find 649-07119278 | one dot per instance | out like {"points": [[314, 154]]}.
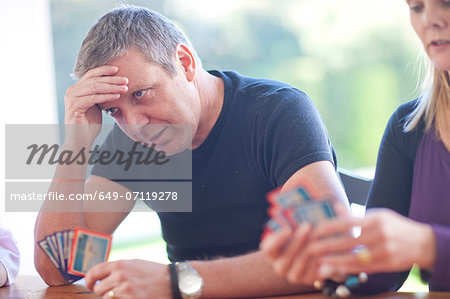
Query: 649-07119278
{"points": [[57, 196], [162, 195]]}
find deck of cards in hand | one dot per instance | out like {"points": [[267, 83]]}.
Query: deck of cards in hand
{"points": [[74, 252], [295, 207]]}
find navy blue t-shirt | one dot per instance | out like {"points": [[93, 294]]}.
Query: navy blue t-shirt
{"points": [[267, 130]]}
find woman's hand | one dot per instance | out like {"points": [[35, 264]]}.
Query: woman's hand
{"points": [[388, 242]]}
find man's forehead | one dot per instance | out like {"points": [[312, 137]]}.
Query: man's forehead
{"points": [[139, 73], [132, 59]]}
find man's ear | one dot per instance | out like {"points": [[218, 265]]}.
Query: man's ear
{"points": [[187, 61]]}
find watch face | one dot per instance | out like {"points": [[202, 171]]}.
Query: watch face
{"points": [[190, 284]]}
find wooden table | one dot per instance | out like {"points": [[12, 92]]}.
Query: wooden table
{"points": [[389, 295], [33, 287]]}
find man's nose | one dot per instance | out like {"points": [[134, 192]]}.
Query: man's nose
{"points": [[134, 121]]}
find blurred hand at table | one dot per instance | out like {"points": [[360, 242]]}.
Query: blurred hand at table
{"points": [[130, 279], [388, 242], [290, 250], [9, 258], [290, 256]]}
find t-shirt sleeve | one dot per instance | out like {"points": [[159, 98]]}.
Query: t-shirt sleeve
{"points": [[290, 135], [391, 187]]}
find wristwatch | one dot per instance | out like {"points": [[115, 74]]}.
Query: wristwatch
{"points": [[190, 283]]}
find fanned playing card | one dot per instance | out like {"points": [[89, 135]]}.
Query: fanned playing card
{"points": [[88, 249], [74, 252]]}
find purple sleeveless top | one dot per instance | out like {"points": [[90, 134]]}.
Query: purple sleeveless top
{"points": [[430, 201]]}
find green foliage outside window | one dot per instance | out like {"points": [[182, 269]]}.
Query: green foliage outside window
{"points": [[356, 69]]}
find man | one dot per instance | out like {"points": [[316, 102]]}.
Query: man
{"points": [[248, 136]]}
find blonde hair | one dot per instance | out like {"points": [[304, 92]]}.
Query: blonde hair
{"points": [[432, 103]]}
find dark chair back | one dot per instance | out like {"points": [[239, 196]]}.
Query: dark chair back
{"points": [[356, 187]]}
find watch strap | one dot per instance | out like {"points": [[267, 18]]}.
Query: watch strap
{"points": [[174, 282]]}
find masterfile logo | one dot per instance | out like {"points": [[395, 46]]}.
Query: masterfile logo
{"points": [[49, 154], [150, 176]]}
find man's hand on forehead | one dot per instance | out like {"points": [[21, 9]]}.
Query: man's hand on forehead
{"points": [[102, 85], [94, 90], [108, 71]]}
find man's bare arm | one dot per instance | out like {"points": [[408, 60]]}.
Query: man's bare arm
{"points": [[83, 119], [245, 276]]}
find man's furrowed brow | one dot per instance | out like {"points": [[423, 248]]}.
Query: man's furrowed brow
{"points": [[104, 106], [140, 86]]}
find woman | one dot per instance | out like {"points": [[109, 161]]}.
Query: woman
{"points": [[411, 185]]}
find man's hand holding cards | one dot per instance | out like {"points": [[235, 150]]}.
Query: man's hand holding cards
{"points": [[74, 252], [292, 208]]}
